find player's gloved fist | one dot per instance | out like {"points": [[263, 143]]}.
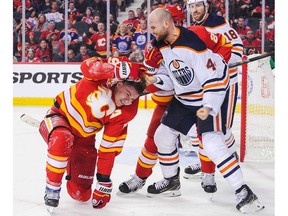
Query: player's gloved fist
{"points": [[101, 195], [129, 70], [152, 61]]}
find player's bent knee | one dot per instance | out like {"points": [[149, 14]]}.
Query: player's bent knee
{"points": [[79, 192]]}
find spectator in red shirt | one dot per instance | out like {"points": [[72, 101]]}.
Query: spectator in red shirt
{"points": [[33, 44], [99, 39], [57, 48], [241, 28], [31, 57], [46, 34], [140, 13], [252, 45], [132, 21], [43, 52], [17, 5], [258, 33]]}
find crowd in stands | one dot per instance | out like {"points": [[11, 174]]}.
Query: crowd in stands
{"points": [[87, 36]]}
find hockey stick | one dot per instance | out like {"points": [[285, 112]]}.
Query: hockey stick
{"points": [[30, 120], [250, 60]]}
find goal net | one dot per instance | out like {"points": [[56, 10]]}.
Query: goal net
{"points": [[255, 111]]}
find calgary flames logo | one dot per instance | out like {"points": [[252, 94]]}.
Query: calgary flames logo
{"points": [[182, 72], [100, 102]]}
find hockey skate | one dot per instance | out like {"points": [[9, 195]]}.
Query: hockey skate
{"points": [[131, 185], [192, 171], [167, 187], [208, 183], [247, 201], [51, 199]]}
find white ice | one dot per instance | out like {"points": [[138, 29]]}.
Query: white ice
{"points": [[29, 156]]}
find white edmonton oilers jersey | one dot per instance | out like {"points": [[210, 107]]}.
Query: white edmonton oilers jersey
{"points": [[218, 24], [199, 76]]}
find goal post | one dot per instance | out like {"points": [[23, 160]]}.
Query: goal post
{"points": [[257, 108]]}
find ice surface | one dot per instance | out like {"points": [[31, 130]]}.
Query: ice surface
{"points": [[29, 156]]}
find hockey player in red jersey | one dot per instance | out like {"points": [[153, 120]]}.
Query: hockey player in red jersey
{"points": [[149, 156], [199, 10], [200, 81], [105, 98]]}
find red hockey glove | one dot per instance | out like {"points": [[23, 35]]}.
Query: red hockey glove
{"points": [[101, 195], [129, 70], [152, 61]]}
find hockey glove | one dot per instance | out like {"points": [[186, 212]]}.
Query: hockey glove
{"points": [[101, 195], [152, 61], [129, 70]]}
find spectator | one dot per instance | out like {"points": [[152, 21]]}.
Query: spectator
{"points": [[73, 13], [114, 8], [241, 28], [132, 21], [42, 24], [45, 6], [252, 45], [28, 27], [268, 33], [122, 40], [82, 5], [73, 36], [32, 18], [113, 24], [71, 55], [99, 39], [88, 18], [140, 37], [57, 48], [84, 54], [162, 3], [19, 49], [93, 27], [33, 44], [239, 8], [17, 5], [53, 14], [31, 57], [99, 7], [140, 13], [43, 51], [46, 34]]}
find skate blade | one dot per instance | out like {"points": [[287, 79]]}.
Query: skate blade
{"points": [[253, 207], [132, 193], [196, 176], [174, 193], [51, 210]]}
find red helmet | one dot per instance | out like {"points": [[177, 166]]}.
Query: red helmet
{"points": [[176, 11]]}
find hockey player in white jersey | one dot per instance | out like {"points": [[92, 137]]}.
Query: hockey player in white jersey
{"points": [[201, 80], [199, 10]]}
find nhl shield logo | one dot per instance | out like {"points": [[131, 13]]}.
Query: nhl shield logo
{"points": [[182, 72]]}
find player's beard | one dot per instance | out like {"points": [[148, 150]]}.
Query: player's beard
{"points": [[162, 36], [197, 17]]}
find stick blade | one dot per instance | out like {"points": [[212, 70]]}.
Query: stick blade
{"points": [[30, 120]]}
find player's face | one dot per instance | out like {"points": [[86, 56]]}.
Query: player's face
{"points": [[197, 10], [158, 30], [125, 95]]}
